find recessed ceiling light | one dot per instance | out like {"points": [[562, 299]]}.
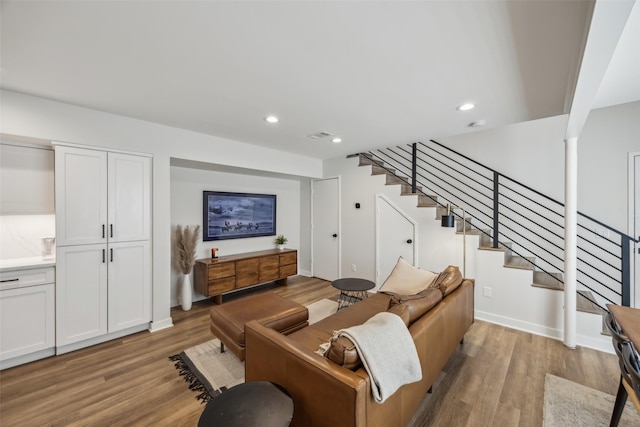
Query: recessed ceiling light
{"points": [[271, 119], [336, 140], [478, 123], [466, 107]]}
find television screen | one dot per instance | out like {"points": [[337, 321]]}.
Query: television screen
{"points": [[237, 215]]}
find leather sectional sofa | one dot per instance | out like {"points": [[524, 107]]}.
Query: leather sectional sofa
{"points": [[326, 393]]}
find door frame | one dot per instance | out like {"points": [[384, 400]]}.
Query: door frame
{"points": [[416, 260], [635, 266], [313, 244]]}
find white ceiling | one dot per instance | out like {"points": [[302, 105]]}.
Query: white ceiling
{"points": [[376, 73]]}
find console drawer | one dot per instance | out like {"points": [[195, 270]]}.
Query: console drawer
{"points": [[225, 269], [219, 286], [288, 258]]}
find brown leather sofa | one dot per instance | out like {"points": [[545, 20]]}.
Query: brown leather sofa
{"points": [[327, 394]]}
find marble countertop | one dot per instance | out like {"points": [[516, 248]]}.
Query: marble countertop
{"points": [[26, 263]]}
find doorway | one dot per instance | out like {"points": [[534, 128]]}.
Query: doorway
{"points": [[325, 259], [396, 235]]}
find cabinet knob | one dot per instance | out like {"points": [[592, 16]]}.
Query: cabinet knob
{"points": [[409, 241], [334, 235]]}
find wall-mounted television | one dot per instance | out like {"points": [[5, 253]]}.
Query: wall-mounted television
{"points": [[237, 215]]}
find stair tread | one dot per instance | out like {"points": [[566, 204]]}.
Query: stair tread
{"points": [[553, 287], [523, 263], [491, 248], [584, 305]]}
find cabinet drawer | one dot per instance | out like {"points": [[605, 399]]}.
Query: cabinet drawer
{"points": [[247, 272], [288, 270], [269, 262], [219, 286], [269, 268], [26, 277], [288, 258], [226, 269], [267, 275]]}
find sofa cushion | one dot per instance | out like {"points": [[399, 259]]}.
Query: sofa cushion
{"points": [[343, 352], [417, 304], [402, 311], [406, 279], [448, 280]]}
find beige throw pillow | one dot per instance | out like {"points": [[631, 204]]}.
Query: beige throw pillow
{"points": [[406, 279]]}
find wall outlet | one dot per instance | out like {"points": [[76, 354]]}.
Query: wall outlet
{"points": [[353, 267], [486, 291]]}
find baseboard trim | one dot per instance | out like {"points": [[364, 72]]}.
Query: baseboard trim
{"points": [[100, 339], [159, 325], [603, 345], [31, 357]]}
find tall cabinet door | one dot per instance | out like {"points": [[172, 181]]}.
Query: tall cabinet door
{"points": [[129, 285], [81, 196], [129, 203], [81, 293]]}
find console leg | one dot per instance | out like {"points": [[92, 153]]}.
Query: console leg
{"points": [[462, 341], [221, 347], [430, 390]]}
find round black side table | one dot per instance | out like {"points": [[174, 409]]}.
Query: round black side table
{"points": [[254, 403], [352, 290]]}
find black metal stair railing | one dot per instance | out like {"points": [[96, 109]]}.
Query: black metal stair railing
{"points": [[516, 217]]}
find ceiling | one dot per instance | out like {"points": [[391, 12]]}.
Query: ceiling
{"points": [[375, 73]]}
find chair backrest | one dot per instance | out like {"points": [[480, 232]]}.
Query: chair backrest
{"points": [[632, 364], [619, 339]]}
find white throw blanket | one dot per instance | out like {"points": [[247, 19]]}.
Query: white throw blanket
{"points": [[388, 353]]}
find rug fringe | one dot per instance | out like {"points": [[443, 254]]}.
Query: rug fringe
{"points": [[189, 377]]}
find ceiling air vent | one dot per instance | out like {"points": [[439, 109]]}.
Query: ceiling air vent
{"points": [[318, 135]]}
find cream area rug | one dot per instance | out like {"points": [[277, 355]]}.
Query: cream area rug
{"points": [[210, 372], [571, 404]]}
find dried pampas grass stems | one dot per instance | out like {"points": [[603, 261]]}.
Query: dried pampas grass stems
{"points": [[186, 243]]}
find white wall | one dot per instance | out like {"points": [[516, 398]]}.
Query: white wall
{"points": [[26, 199], [40, 118], [358, 225], [533, 153], [187, 186], [609, 135]]}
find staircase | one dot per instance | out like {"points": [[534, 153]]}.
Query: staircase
{"points": [[542, 275]]}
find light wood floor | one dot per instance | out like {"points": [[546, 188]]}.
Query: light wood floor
{"points": [[495, 379]]}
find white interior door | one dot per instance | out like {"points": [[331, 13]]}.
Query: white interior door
{"points": [[326, 229], [396, 235], [635, 202]]}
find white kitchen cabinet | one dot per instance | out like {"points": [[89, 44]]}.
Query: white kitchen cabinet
{"points": [[101, 196], [81, 196], [103, 226], [27, 315], [81, 294], [129, 197], [129, 272]]}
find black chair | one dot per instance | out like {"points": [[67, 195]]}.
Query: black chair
{"points": [[632, 364], [619, 340]]}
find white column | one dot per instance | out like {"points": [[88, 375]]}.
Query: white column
{"points": [[570, 239]]}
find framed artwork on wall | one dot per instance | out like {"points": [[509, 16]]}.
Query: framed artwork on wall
{"points": [[237, 215]]}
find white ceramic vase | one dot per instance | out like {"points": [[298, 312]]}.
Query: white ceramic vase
{"points": [[186, 293], [281, 247]]}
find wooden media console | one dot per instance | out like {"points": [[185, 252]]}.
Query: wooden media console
{"points": [[216, 276]]}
